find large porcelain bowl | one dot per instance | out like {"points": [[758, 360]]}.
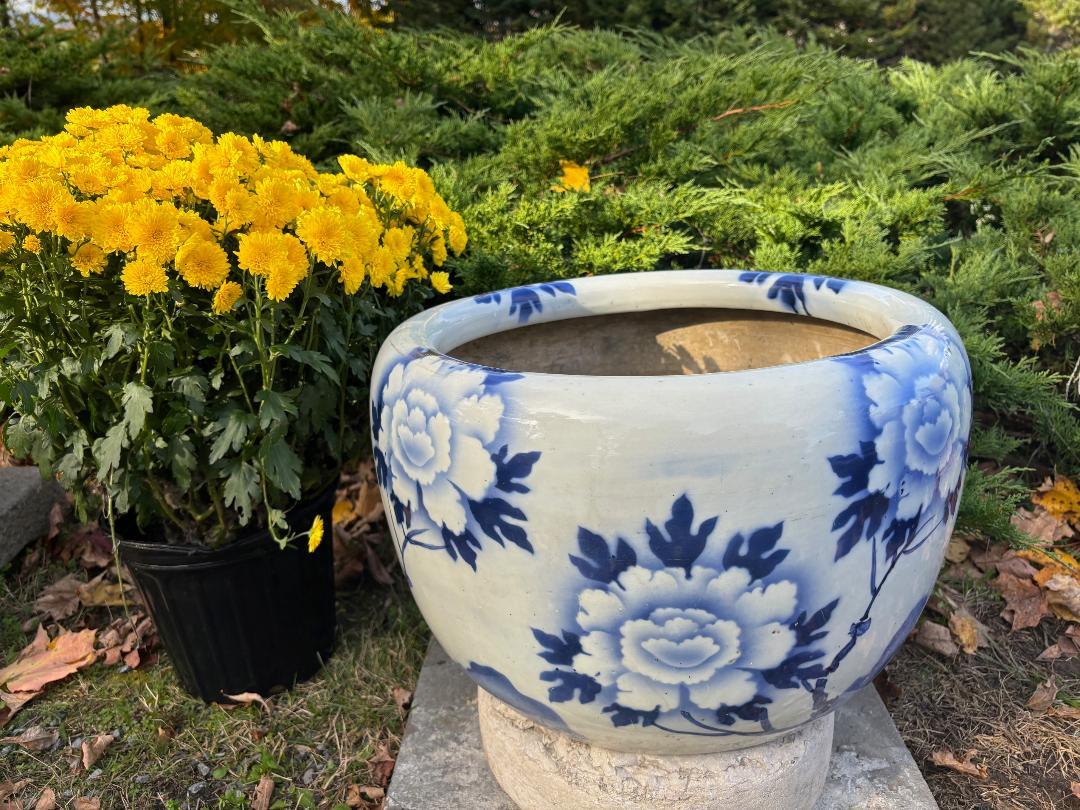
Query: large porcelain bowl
{"points": [[673, 512]]}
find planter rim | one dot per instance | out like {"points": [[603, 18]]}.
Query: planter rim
{"points": [[157, 555], [879, 311]]}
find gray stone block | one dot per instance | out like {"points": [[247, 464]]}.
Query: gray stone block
{"points": [[441, 765], [25, 502]]}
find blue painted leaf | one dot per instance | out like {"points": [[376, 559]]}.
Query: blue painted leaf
{"points": [[759, 559], [799, 668], [854, 470], [899, 533], [559, 650], [754, 711], [493, 515], [501, 687], [508, 471], [464, 545], [682, 546], [598, 561], [862, 518], [809, 630], [567, 684], [622, 716]]}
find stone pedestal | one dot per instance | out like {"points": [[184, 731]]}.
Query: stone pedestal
{"points": [[25, 502], [441, 765], [540, 768]]}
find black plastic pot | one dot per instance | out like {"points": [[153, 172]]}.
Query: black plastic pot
{"points": [[248, 617]]}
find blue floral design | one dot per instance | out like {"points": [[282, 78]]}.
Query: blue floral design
{"points": [[681, 637], [789, 288], [442, 457], [524, 301], [901, 484]]}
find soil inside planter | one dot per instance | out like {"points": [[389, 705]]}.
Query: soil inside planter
{"points": [[666, 341]]}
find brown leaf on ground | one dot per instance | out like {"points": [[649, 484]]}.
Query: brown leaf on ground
{"points": [[12, 804], [94, 747], [264, 791], [34, 738], [84, 803], [372, 562], [59, 600], [1062, 590], [1025, 603], [987, 557], [9, 789], [958, 549], [1060, 498], [352, 797], [1041, 526], [945, 758], [1075, 788], [47, 800], [1067, 646], [246, 699], [370, 793], [1013, 563], [102, 592], [42, 662], [402, 698], [936, 637], [966, 629], [56, 520], [1066, 712], [1043, 696], [382, 764]]}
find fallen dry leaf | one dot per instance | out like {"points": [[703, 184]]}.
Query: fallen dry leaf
{"points": [[34, 738], [371, 793], [1041, 526], [94, 747], [84, 803], [958, 549], [1067, 646], [47, 800], [1062, 590], [247, 699], [343, 511], [1075, 788], [353, 798], [1043, 696], [264, 791], [1061, 498], [101, 592], [9, 789], [1025, 603], [402, 698], [966, 630], [59, 600], [947, 759], [1067, 712], [936, 637], [382, 764], [43, 662]]}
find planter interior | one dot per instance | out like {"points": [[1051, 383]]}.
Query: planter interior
{"points": [[666, 341]]}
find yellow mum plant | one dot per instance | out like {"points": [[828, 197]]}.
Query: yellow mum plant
{"points": [[187, 322]]}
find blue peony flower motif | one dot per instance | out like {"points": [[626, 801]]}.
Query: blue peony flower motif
{"points": [[442, 457], [682, 638]]}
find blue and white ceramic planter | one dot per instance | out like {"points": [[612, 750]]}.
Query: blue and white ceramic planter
{"points": [[669, 562]]}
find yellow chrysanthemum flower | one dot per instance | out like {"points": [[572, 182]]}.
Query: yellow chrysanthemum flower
{"points": [[87, 258], [202, 263], [109, 226], [574, 177], [31, 244], [324, 232], [283, 279], [381, 268], [456, 235], [155, 230], [438, 250], [399, 241], [259, 251], [144, 276], [440, 281], [277, 203], [315, 536], [35, 204], [353, 273], [355, 168], [72, 219], [226, 297], [7, 240]]}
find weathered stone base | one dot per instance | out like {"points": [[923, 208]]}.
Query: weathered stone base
{"points": [[25, 502], [540, 768]]}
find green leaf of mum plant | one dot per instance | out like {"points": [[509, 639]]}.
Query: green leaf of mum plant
{"points": [[138, 402]]}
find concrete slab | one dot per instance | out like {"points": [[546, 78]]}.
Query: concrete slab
{"points": [[25, 503], [441, 765]]}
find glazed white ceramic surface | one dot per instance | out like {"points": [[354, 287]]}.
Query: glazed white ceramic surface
{"points": [[674, 564]]}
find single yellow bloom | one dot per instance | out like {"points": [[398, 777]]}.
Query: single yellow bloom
{"points": [[353, 273], [143, 276], [574, 177], [87, 258], [355, 168], [226, 297], [324, 232], [438, 250], [7, 240], [155, 230], [31, 244], [72, 219], [399, 241], [456, 234], [109, 226], [315, 536], [260, 252], [440, 281], [283, 279], [202, 263], [35, 205]]}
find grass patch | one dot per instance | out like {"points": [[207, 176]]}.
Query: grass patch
{"points": [[175, 751]]}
